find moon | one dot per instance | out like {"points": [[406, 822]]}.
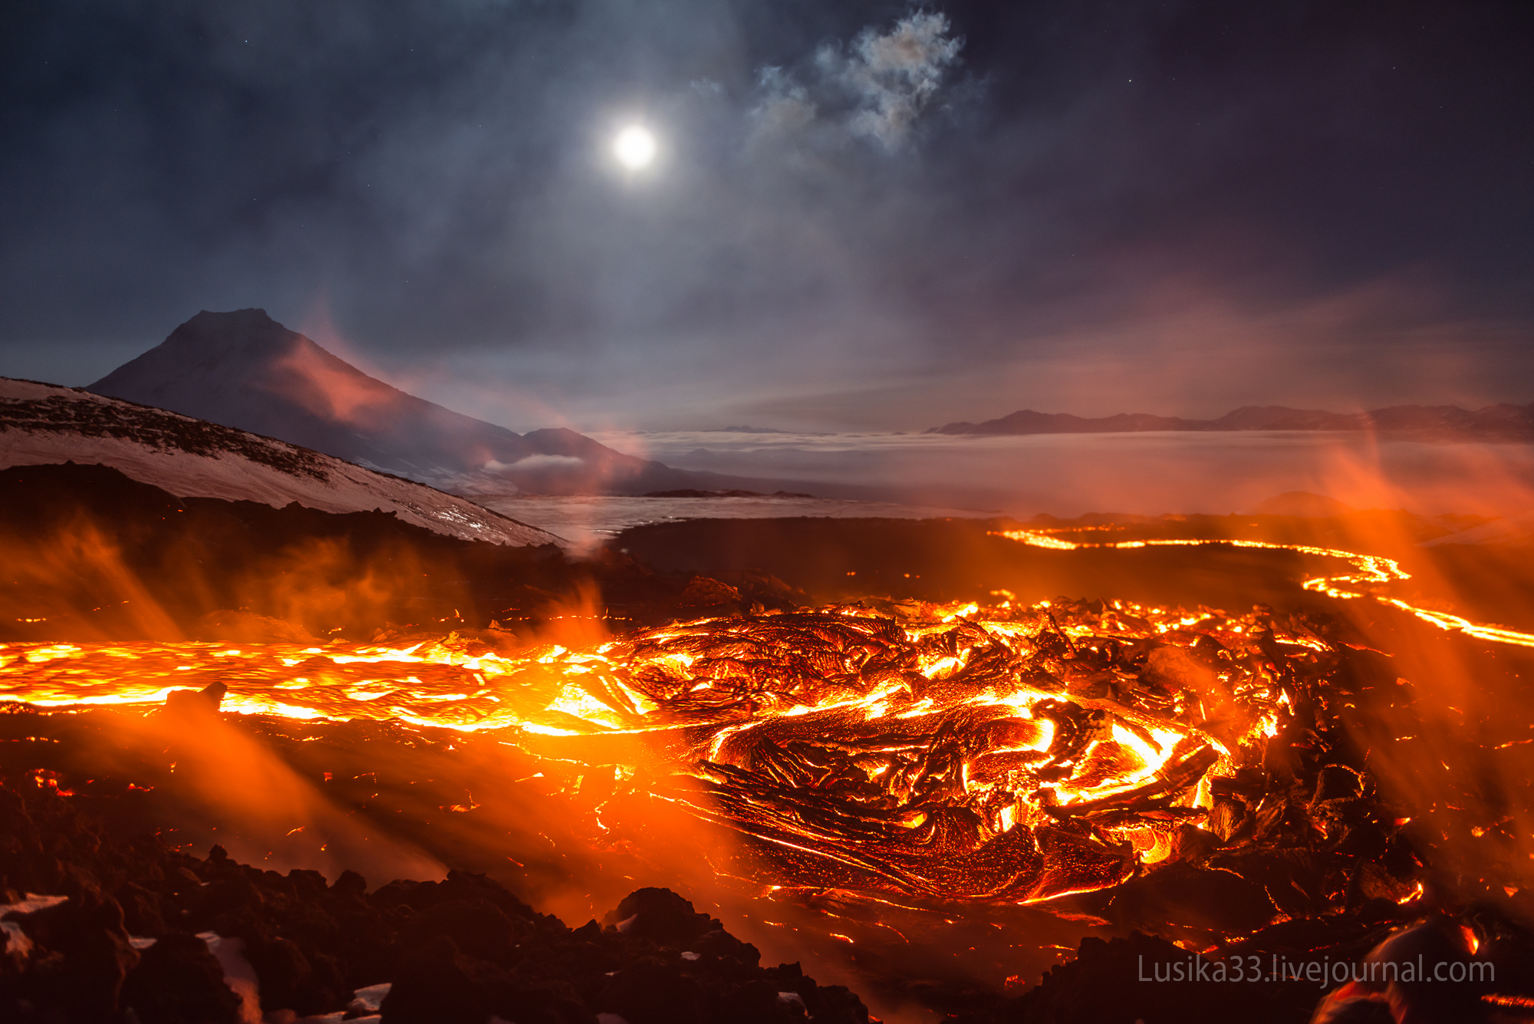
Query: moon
{"points": [[634, 147]]}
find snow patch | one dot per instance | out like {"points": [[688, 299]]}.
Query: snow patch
{"points": [[18, 943], [239, 975], [149, 445], [363, 1009], [537, 462], [31, 903], [369, 998], [793, 1000]]}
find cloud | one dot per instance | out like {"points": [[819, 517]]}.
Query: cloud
{"points": [[784, 109], [537, 462], [894, 75], [877, 88]]}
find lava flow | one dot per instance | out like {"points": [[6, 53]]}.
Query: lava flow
{"points": [[1365, 571], [953, 753]]}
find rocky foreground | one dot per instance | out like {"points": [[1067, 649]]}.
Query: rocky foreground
{"points": [[150, 935]]}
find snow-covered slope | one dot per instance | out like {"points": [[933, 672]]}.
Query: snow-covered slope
{"points": [[42, 424]]}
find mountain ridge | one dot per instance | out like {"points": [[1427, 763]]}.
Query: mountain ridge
{"points": [[1503, 421], [243, 369]]}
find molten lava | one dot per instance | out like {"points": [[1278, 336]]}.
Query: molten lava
{"points": [[1001, 754], [1366, 572]]}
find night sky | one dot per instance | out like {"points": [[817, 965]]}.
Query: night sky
{"points": [[860, 214]]}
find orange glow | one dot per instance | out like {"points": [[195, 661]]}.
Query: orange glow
{"points": [[1366, 571], [898, 752]]}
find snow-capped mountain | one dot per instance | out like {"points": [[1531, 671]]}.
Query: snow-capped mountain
{"points": [[243, 369], [42, 424]]}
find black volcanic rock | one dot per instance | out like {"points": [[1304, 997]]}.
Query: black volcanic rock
{"points": [[243, 369], [95, 954], [463, 949], [192, 704], [179, 981], [431, 987], [661, 916]]}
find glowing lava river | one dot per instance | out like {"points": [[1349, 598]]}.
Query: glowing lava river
{"points": [[1364, 572], [1000, 754], [1007, 755]]}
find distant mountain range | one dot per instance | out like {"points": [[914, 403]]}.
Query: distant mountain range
{"points": [[1494, 422], [243, 369]]}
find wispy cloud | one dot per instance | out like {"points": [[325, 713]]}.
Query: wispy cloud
{"points": [[784, 108], [877, 87]]}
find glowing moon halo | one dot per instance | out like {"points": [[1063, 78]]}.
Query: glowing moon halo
{"points": [[634, 147]]}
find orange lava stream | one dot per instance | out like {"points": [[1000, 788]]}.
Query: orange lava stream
{"points": [[1367, 570], [1002, 754]]}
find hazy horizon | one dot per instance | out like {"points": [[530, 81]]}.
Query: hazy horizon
{"points": [[767, 417], [1151, 472]]}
